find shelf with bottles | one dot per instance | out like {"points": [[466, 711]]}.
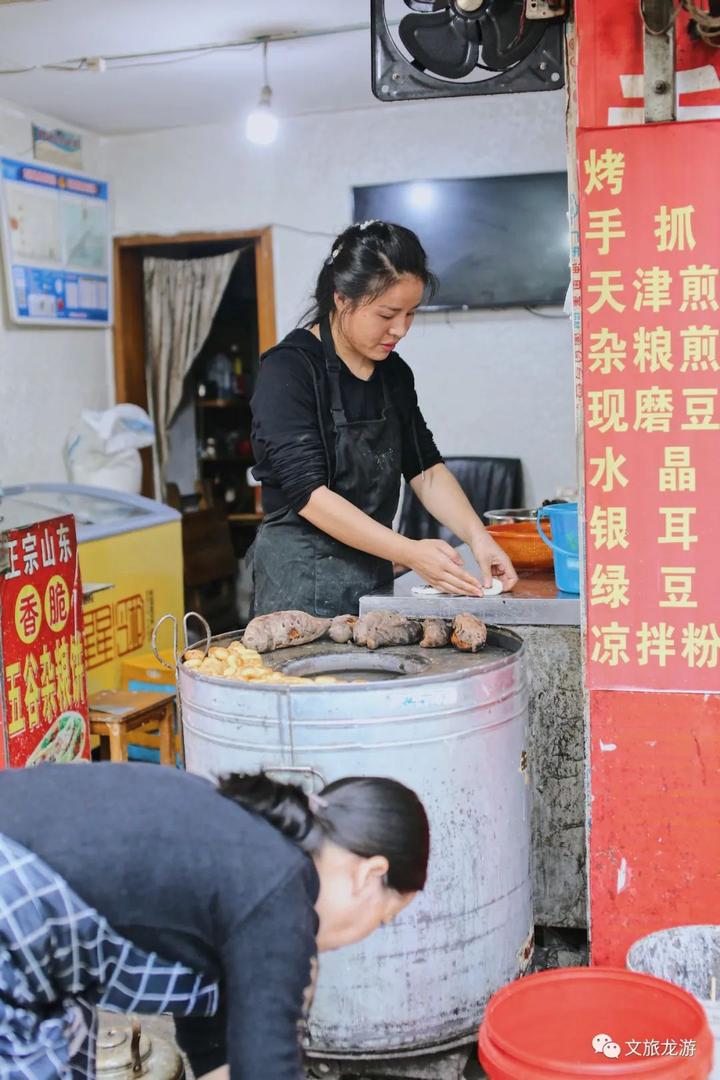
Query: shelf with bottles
{"points": [[222, 389], [224, 442], [223, 378], [230, 493]]}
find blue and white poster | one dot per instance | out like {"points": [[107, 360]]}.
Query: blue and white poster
{"points": [[56, 236]]}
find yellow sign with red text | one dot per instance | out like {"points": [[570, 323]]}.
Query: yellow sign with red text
{"points": [[145, 571]]}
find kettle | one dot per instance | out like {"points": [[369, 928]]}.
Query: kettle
{"points": [[125, 1052]]}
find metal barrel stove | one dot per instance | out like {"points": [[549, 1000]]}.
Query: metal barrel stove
{"points": [[450, 725]]}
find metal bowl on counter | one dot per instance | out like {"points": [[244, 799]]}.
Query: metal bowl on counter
{"points": [[452, 726], [506, 517], [516, 533]]}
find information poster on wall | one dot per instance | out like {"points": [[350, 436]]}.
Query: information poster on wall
{"points": [[56, 236], [43, 697], [651, 387]]}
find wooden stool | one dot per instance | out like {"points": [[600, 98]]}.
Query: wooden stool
{"points": [[114, 714]]}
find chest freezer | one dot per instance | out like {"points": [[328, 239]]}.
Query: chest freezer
{"points": [[131, 545]]}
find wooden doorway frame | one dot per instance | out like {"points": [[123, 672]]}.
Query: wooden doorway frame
{"points": [[129, 300]]}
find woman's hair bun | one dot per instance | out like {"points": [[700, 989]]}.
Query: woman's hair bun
{"points": [[284, 806], [367, 815]]}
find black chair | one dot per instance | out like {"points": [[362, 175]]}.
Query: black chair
{"points": [[489, 483]]}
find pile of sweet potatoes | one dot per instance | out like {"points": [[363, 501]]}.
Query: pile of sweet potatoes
{"points": [[283, 629]]}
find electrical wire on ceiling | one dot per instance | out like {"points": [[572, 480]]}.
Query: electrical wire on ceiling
{"points": [[183, 55], [305, 232]]}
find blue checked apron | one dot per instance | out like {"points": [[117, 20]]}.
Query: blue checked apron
{"points": [[59, 961]]}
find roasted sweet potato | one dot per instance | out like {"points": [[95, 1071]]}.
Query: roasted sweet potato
{"points": [[380, 628], [436, 634], [282, 629], [341, 628], [469, 634]]}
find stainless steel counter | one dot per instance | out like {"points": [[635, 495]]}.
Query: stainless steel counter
{"points": [[535, 601]]}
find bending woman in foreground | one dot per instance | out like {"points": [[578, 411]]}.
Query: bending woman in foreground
{"points": [[150, 890]]}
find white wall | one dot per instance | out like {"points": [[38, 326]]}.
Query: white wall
{"points": [[46, 375], [489, 383]]}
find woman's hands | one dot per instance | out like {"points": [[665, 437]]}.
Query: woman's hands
{"points": [[439, 565], [493, 561], [434, 561], [441, 495]]}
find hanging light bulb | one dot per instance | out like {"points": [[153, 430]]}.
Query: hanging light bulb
{"points": [[261, 126]]}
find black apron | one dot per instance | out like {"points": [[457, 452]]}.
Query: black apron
{"points": [[297, 566]]}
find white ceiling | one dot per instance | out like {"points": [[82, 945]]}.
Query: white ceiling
{"points": [[309, 75]]}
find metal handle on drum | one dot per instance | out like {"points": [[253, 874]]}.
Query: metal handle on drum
{"points": [[137, 1065], [154, 641], [173, 620], [205, 625], [307, 770]]}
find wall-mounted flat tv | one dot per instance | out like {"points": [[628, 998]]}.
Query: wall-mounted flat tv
{"points": [[494, 241]]}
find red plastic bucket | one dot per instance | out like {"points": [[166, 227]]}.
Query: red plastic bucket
{"points": [[558, 1023]]}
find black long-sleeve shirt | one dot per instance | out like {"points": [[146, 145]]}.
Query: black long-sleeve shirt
{"points": [[293, 449], [180, 870]]}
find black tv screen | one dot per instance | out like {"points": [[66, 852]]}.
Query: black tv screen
{"points": [[495, 241]]}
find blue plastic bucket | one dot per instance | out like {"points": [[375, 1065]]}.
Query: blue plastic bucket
{"points": [[563, 519]]}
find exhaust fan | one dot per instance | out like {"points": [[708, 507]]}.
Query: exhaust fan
{"points": [[511, 46]]}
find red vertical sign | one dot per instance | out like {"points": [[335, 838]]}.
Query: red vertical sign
{"points": [[654, 761], [610, 66], [650, 237], [43, 705]]}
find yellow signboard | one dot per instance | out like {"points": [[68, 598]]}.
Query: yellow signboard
{"points": [[145, 569]]}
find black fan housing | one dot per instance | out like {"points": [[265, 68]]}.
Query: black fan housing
{"points": [[449, 39]]}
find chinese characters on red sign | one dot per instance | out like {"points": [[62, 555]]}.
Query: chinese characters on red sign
{"points": [[43, 704], [651, 378]]}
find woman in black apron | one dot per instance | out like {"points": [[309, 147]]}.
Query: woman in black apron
{"points": [[336, 424]]}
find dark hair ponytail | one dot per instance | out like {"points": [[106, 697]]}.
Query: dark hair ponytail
{"points": [[364, 261], [285, 806], [366, 815]]}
